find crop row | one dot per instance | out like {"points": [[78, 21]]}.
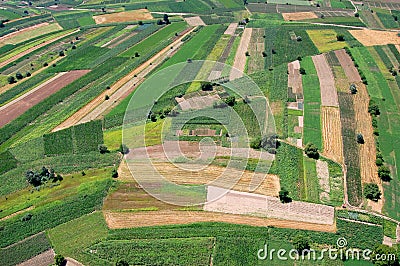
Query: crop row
{"points": [[24, 23], [16, 125], [8, 162], [24, 250], [88, 199]]}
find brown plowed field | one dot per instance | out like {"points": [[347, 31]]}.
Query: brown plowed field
{"points": [[348, 66], [16, 109], [294, 77], [332, 133], [43, 259], [116, 220], [326, 80]]}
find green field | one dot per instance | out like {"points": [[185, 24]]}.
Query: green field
{"points": [[162, 36], [312, 102]]}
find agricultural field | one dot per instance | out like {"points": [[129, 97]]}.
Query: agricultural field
{"points": [[296, 148]]}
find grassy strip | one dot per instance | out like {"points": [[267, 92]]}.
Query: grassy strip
{"points": [[312, 103]]}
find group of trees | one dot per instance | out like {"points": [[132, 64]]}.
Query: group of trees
{"points": [[37, 178], [268, 143], [312, 151], [165, 20]]}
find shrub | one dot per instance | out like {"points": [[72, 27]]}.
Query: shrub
{"points": [[311, 151], [302, 71], [11, 80], [340, 38], [26, 217], [360, 138], [61, 53], [284, 196], [19, 75], [353, 89], [59, 260], [114, 173], [103, 149], [301, 243], [371, 191], [230, 100], [384, 173]]}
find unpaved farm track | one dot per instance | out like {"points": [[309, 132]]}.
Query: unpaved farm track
{"points": [[332, 133], [44, 259], [329, 95], [240, 57], [121, 88], [16, 108], [117, 220]]}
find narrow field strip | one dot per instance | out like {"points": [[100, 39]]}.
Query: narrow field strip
{"points": [[326, 81], [240, 57], [18, 107]]}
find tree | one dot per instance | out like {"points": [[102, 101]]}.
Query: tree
{"points": [[255, 143], [106, 97], [301, 243], [360, 138], [353, 89], [153, 118], [11, 80], [123, 149], [284, 196], [371, 192], [166, 19], [19, 75], [270, 143], [230, 100], [312, 151], [114, 173], [340, 38], [1, 24], [206, 86], [103, 149], [137, 54], [356, 15], [73, 47], [373, 108], [264, 54], [384, 173], [247, 53], [59, 260], [61, 53], [140, 23], [122, 263], [28, 74], [45, 64], [159, 22], [387, 256], [302, 71]]}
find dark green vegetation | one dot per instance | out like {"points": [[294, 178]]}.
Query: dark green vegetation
{"points": [[24, 250], [312, 104]]}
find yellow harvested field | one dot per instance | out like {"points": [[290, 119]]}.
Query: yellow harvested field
{"points": [[298, 16], [375, 37], [116, 220], [332, 133], [325, 40], [126, 16]]}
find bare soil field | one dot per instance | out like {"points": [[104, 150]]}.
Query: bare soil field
{"points": [[294, 77], [326, 80], [44, 259], [240, 57], [348, 66], [6, 62], [298, 16], [375, 37], [367, 151], [133, 15], [11, 111], [183, 173], [231, 29], [195, 21], [116, 220], [236, 202], [332, 133], [121, 88]]}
